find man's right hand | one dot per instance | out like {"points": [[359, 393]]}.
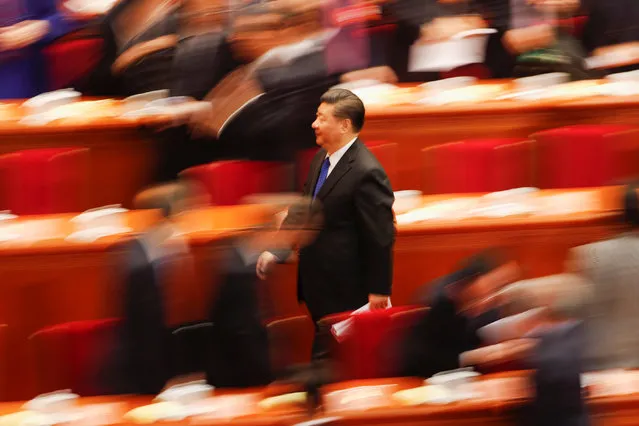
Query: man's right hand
{"points": [[264, 264], [522, 40]]}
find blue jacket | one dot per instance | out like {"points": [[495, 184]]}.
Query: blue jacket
{"points": [[23, 73]]}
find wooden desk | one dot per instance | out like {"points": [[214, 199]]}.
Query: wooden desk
{"points": [[111, 409], [414, 127], [504, 393], [123, 154], [501, 395]]}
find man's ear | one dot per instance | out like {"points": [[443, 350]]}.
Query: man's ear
{"points": [[346, 125]]}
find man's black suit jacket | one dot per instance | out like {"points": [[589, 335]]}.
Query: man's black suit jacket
{"points": [[352, 256]]}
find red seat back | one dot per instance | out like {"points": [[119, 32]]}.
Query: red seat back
{"points": [[73, 355], [585, 155], [227, 182], [44, 181], [386, 154], [291, 342], [370, 348], [71, 61], [482, 165]]}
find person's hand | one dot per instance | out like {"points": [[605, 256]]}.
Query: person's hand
{"points": [[23, 34], [446, 27], [382, 74], [264, 264], [377, 301], [499, 354], [185, 113], [524, 40]]}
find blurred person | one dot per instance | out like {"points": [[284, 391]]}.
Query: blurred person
{"points": [[460, 304], [351, 261], [143, 359], [264, 109], [523, 29], [550, 343], [239, 346], [26, 26], [175, 45], [608, 269], [540, 44], [428, 21]]}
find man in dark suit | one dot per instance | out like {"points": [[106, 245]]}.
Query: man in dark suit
{"points": [[350, 262], [460, 304]]}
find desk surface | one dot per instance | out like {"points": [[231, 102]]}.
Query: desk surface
{"points": [[370, 402]]}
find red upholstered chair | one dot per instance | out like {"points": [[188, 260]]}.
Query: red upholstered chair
{"points": [[482, 165], [291, 341], [227, 182], [386, 153], [586, 155], [72, 355], [43, 181], [69, 61], [371, 347]]}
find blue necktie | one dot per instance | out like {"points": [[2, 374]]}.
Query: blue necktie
{"points": [[322, 176]]}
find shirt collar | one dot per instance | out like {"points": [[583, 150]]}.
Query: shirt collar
{"points": [[337, 155]]}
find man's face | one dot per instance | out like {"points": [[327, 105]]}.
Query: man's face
{"points": [[480, 294], [328, 128]]}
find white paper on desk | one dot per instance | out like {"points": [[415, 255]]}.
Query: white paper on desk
{"points": [[91, 235], [47, 101], [341, 328], [187, 392], [90, 6], [443, 210], [467, 47]]}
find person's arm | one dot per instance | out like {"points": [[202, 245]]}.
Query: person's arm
{"points": [[376, 227]]}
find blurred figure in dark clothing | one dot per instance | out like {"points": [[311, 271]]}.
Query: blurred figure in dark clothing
{"points": [[143, 362], [239, 343], [460, 304], [550, 343]]}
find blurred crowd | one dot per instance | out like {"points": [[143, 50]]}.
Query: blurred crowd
{"points": [[261, 66]]}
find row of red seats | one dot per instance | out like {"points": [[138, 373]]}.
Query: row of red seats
{"points": [[71, 355], [568, 157], [57, 180]]}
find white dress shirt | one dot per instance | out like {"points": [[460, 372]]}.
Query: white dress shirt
{"points": [[337, 155]]}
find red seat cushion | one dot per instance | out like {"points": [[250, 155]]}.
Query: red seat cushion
{"points": [[585, 155], [45, 181], [73, 355], [227, 182], [482, 165]]}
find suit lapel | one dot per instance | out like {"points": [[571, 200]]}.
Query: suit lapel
{"points": [[343, 167]]}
